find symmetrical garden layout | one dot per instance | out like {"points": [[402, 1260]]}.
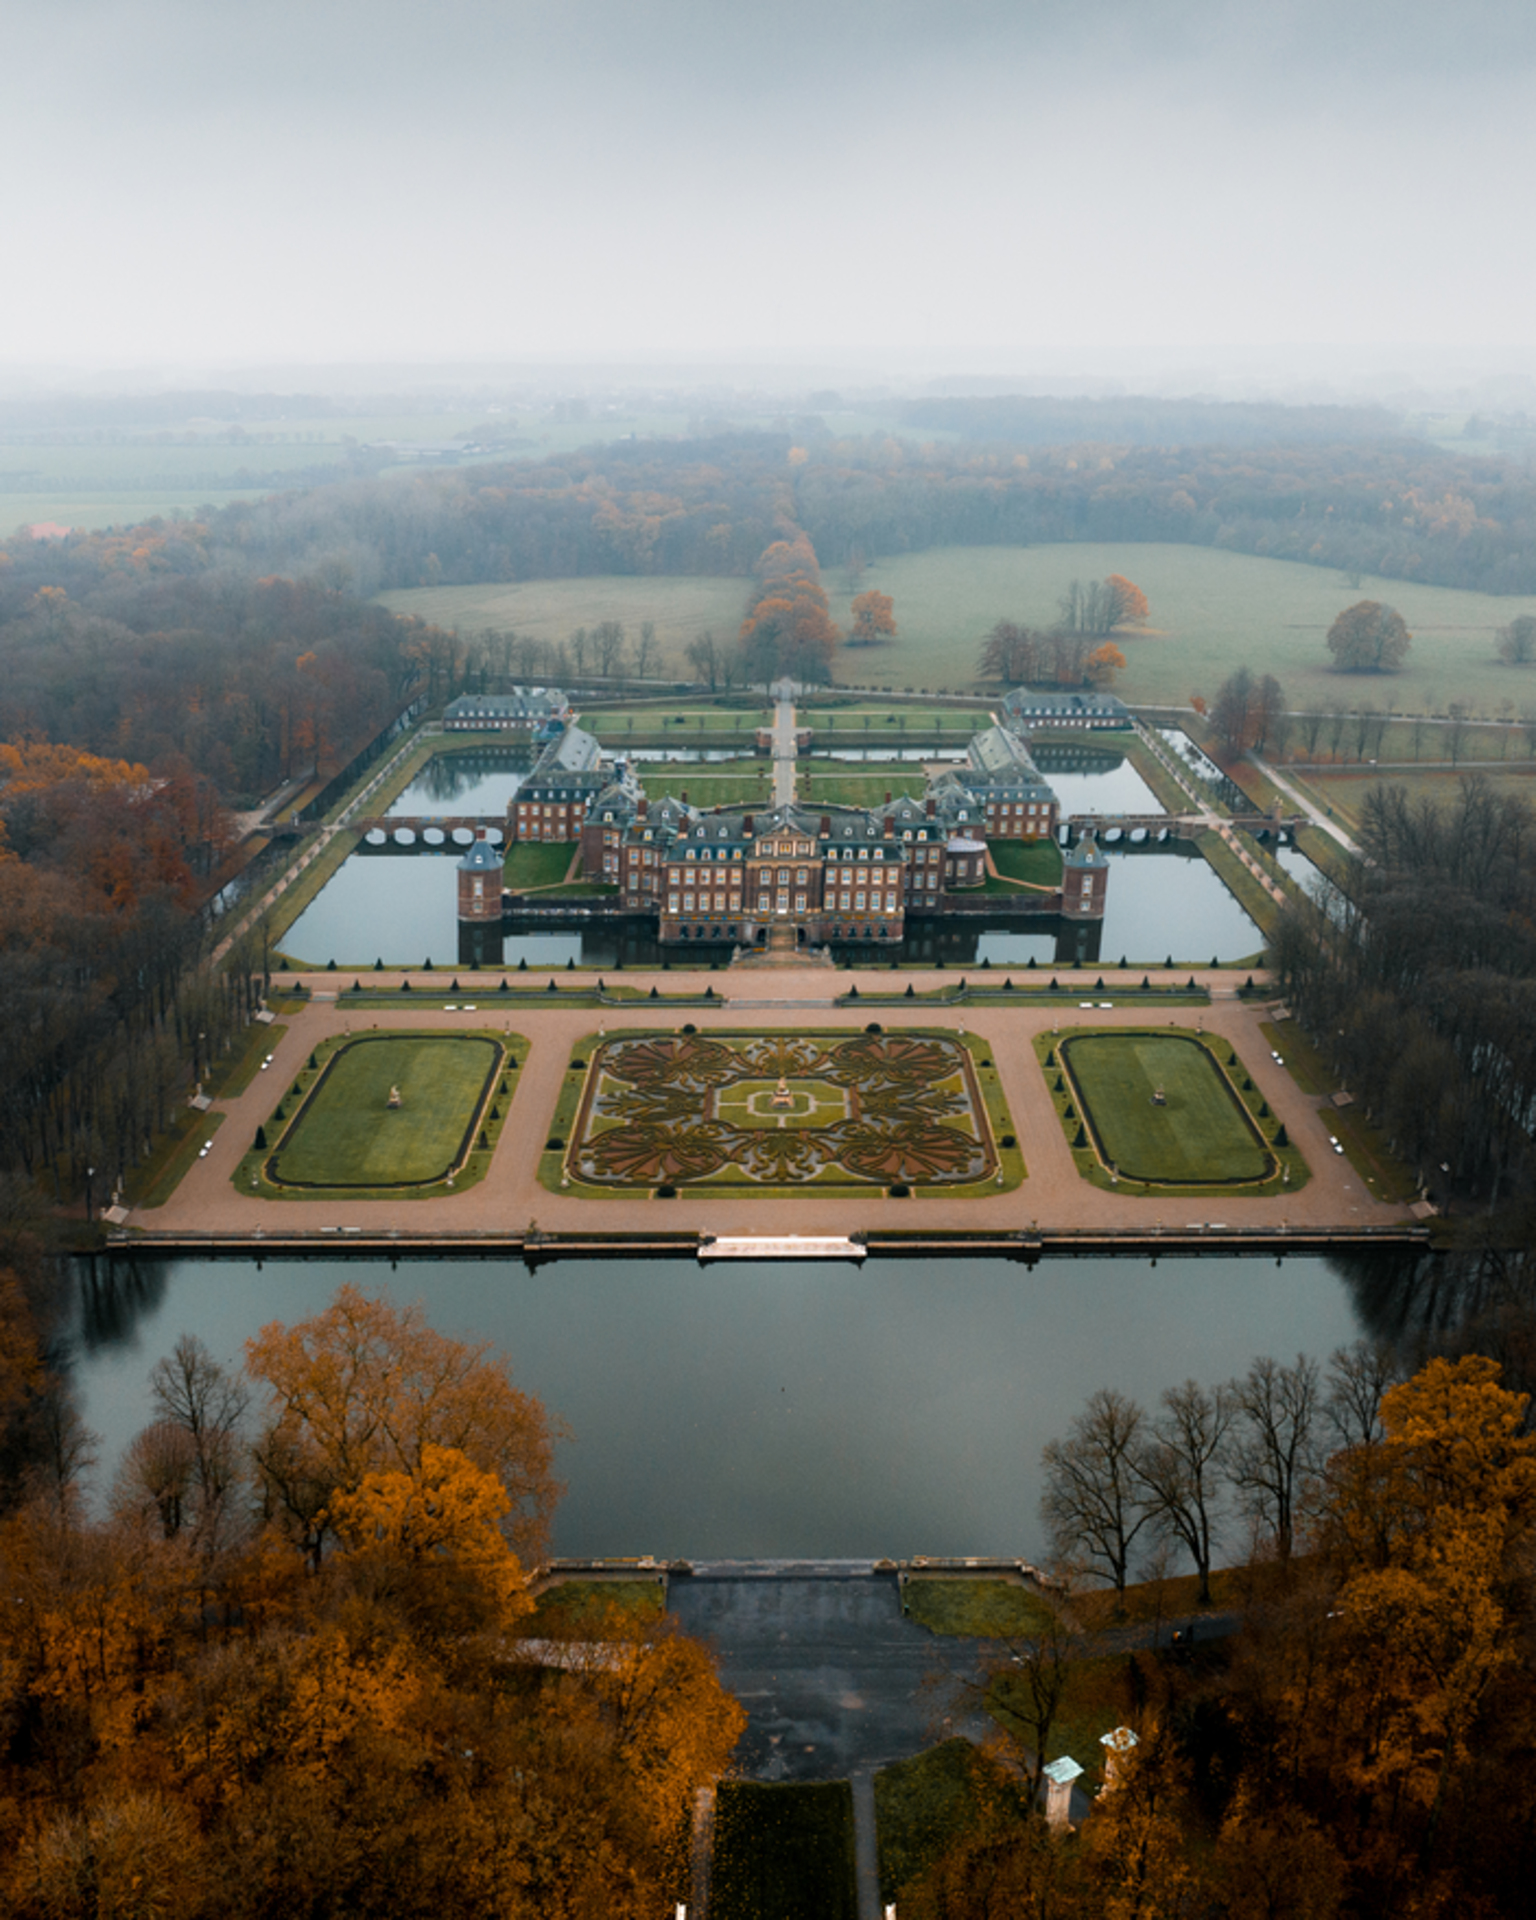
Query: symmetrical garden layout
{"points": [[1159, 1109], [755, 1110], [397, 1112]]}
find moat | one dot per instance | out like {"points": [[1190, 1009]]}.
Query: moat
{"points": [[778, 1410]]}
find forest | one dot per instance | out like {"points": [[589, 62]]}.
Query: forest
{"points": [[296, 1666], [1419, 985], [1357, 1747]]}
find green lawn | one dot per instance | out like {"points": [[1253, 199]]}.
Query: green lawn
{"points": [[581, 1607], [537, 863], [346, 1134], [1345, 791], [1211, 611], [1199, 1135], [683, 607], [1035, 862], [707, 789], [860, 789], [784, 1852], [924, 1804], [984, 1609]]}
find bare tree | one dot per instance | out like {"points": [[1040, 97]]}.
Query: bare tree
{"points": [[1094, 1504], [1232, 711], [194, 1393], [1456, 732], [1517, 641], [704, 658], [647, 654], [1311, 727], [1358, 1376], [1273, 1443], [1027, 1708], [608, 638], [1271, 722], [1180, 1469]]}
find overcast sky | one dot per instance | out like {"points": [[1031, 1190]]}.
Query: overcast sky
{"points": [[207, 183]]}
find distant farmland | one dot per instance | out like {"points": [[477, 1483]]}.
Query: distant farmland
{"points": [[1211, 611]]}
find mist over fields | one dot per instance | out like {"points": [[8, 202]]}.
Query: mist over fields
{"points": [[976, 188]]}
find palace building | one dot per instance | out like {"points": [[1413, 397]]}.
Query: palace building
{"points": [[832, 874]]}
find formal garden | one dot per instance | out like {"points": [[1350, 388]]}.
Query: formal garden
{"points": [[763, 1113], [1150, 1110], [399, 1114]]}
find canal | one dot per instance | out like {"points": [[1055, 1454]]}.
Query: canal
{"points": [[773, 1409]]}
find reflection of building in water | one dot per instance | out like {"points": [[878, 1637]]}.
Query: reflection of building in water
{"points": [[823, 875]]}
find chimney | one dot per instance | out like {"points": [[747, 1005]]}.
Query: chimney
{"points": [[642, 807], [825, 829], [930, 806], [887, 796], [746, 826], [683, 796], [890, 828]]}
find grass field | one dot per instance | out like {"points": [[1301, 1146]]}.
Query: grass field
{"points": [[704, 788], [583, 1607], [537, 863], [1344, 792], [924, 1803], [346, 1134], [682, 606], [1210, 612], [1199, 1136], [861, 789], [986, 1609], [784, 1852], [1037, 863]]}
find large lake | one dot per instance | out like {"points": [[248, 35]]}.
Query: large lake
{"points": [[770, 1409]]}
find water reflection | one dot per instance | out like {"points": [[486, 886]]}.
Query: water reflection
{"points": [[775, 1409], [1117, 788], [478, 783], [403, 907]]}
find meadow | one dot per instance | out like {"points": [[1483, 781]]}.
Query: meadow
{"points": [[1210, 612], [683, 607], [1344, 790]]}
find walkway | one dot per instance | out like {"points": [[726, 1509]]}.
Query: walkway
{"points": [[324, 835], [785, 747], [1052, 1198], [1318, 817]]}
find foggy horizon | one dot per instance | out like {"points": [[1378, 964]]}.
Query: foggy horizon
{"points": [[875, 192]]}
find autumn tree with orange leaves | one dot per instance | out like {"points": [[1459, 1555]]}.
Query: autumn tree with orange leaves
{"points": [[788, 629], [389, 1732], [874, 619], [368, 1389]]}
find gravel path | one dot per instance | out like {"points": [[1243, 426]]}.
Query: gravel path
{"points": [[510, 1198]]}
